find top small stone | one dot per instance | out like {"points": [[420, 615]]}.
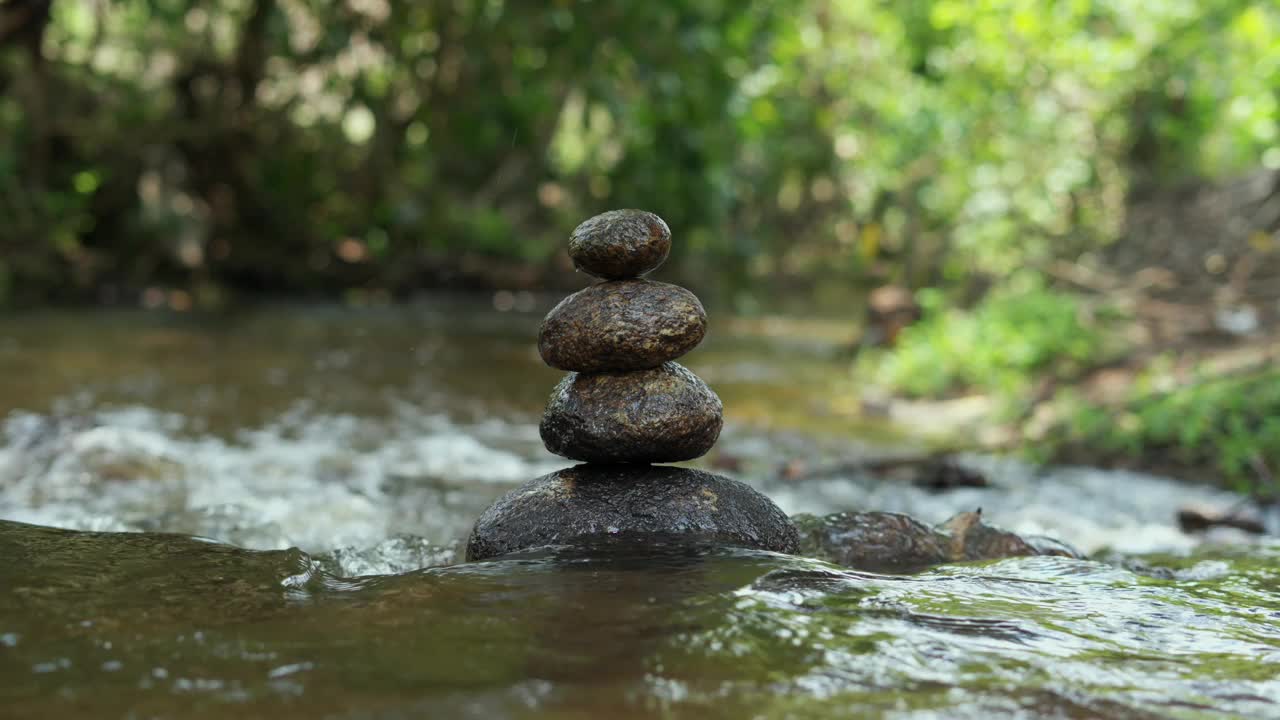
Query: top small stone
{"points": [[620, 244]]}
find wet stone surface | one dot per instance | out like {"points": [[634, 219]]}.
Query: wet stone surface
{"points": [[893, 542], [588, 501], [666, 414], [622, 325], [620, 244]]}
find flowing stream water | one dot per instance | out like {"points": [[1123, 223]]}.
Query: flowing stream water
{"points": [[259, 514]]}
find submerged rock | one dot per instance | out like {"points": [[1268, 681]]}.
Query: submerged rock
{"points": [[588, 501], [665, 414], [622, 325], [971, 539], [620, 244], [1252, 520], [893, 542]]}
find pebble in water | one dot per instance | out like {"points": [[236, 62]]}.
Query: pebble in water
{"points": [[895, 543]]}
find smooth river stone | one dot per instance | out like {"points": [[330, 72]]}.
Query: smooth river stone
{"points": [[620, 244], [588, 501], [893, 543], [622, 325], [665, 414]]}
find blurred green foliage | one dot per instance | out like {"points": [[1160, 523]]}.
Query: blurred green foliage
{"points": [[1019, 334], [312, 146], [1225, 425]]}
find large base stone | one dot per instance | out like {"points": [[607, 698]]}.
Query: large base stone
{"points": [[594, 500]]}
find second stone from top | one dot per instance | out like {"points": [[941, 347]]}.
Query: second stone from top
{"points": [[622, 325]]}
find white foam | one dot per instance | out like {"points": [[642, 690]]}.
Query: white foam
{"points": [[317, 482], [1088, 508], [322, 482]]}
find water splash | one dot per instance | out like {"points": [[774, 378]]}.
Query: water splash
{"points": [[325, 483]]}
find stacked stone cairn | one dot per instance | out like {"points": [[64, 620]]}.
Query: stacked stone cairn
{"points": [[624, 405]]}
